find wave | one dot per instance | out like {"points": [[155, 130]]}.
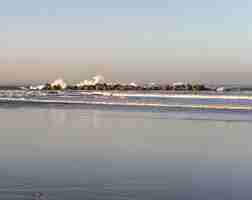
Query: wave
{"points": [[129, 104], [185, 96], [230, 96]]}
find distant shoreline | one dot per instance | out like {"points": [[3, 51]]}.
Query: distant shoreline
{"points": [[142, 90]]}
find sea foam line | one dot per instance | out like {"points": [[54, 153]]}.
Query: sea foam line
{"points": [[185, 96], [133, 104]]}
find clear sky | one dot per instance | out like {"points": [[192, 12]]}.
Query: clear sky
{"points": [[145, 40]]}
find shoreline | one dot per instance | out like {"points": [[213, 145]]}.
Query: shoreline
{"points": [[128, 104]]}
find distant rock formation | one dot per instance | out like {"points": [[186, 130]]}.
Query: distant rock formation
{"points": [[58, 84], [99, 83]]}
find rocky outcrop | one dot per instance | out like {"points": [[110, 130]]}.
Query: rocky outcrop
{"points": [[98, 83]]}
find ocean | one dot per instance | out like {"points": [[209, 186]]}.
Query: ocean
{"points": [[124, 146]]}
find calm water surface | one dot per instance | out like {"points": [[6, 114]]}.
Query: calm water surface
{"points": [[89, 153]]}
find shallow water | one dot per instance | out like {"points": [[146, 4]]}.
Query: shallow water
{"points": [[99, 152]]}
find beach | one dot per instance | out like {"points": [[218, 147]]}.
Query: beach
{"points": [[75, 151]]}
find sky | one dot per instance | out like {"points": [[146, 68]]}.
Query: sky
{"points": [[133, 40]]}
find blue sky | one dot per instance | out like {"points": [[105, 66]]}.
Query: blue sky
{"points": [[187, 30], [194, 20], [128, 8]]}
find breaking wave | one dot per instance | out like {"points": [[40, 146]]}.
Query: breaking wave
{"points": [[131, 99], [128, 104], [184, 96]]}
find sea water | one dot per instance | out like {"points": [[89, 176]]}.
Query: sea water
{"points": [[54, 148]]}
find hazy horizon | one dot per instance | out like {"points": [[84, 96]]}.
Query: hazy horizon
{"points": [[140, 41]]}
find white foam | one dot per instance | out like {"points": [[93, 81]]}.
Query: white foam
{"points": [[59, 82], [184, 96], [133, 104], [95, 80]]}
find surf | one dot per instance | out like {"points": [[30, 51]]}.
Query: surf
{"points": [[129, 104]]}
